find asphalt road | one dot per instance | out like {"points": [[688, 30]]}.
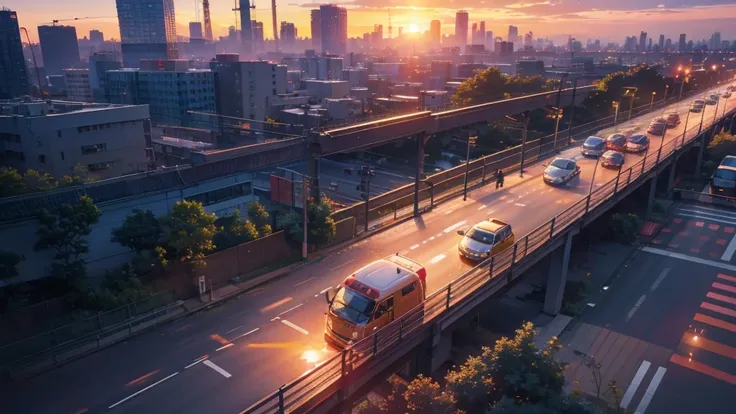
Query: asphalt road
{"points": [[666, 329], [271, 335]]}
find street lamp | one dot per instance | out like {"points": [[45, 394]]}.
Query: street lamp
{"points": [[471, 142], [592, 180], [651, 104], [682, 82], [558, 116], [616, 105], [525, 123], [630, 92], [702, 117], [687, 118]]}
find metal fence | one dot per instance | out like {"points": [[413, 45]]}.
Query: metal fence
{"points": [[493, 271], [74, 331]]}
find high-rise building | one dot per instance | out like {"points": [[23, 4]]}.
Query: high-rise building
{"points": [[715, 41], [241, 91], [316, 26], [435, 33], [376, 37], [490, 41], [334, 29], [682, 44], [195, 30], [661, 42], [14, 81], [247, 31], [461, 29], [147, 30], [287, 33], [642, 42], [96, 36], [99, 64], [513, 35], [77, 85], [258, 38], [59, 48], [528, 41], [668, 44]]}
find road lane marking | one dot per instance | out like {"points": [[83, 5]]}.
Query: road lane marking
{"points": [[706, 218], [291, 309], [294, 326], [721, 286], [726, 277], [635, 308], [708, 345], [448, 212], [709, 320], [217, 368], [651, 389], [246, 334], [520, 205], [322, 292], [438, 235], [143, 390], [276, 304], [197, 361], [659, 280], [437, 258], [635, 382], [413, 246], [424, 242], [245, 311], [693, 259], [482, 207], [346, 263], [454, 226], [699, 209], [224, 347], [703, 369], [719, 309], [730, 250], [722, 298], [305, 281], [233, 330], [431, 238], [143, 378]]}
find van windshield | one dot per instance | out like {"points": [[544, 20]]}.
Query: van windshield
{"points": [[725, 174], [352, 306]]}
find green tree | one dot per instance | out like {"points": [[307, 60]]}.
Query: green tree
{"points": [[260, 217], [234, 230], [78, 176], [721, 145], [9, 264], [36, 181], [491, 85], [188, 231], [611, 89], [11, 182], [66, 232], [140, 231], [320, 225], [424, 396], [557, 405]]}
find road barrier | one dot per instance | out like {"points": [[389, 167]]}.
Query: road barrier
{"points": [[335, 374]]}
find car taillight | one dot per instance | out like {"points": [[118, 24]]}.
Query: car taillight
{"points": [[422, 273]]}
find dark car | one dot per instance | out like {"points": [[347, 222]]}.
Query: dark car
{"points": [[673, 120], [637, 143], [560, 171], [616, 142], [657, 127], [594, 146], [612, 159]]}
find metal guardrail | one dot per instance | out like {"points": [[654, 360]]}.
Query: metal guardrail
{"points": [[715, 199], [369, 350]]}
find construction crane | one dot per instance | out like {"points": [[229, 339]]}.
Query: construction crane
{"points": [[207, 20], [56, 21], [237, 9], [275, 28]]}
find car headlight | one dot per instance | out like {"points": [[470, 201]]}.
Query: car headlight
{"points": [[329, 322]]}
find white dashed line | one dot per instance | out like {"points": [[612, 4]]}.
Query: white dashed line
{"points": [[346, 263], [145, 389], [296, 327], [233, 330], [226, 346], [431, 238], [245, 334], [520, 205], [196, 362], [290, 309], [217, 368], [659, 279], [437, 259], [448, 212], [424, 242], [635, 308], [482, 207], [322, 292], [454, 226], [439, 234], [414, 246]]}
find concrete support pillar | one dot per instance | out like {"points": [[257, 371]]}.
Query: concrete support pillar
{"points": [[435, 351], [652, 193], [557, 277], [421, 139], [699, 163], [733, 124], [671, 177], [313, 168]]}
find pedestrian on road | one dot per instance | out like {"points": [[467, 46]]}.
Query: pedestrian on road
{"points": [[499, 178]]}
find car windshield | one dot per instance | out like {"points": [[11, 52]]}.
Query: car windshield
{"points": [[561, 163], [725, 174], [729, 161], [638, 139], [593, 142], [481, 236], [615, 137], [352, 306]]}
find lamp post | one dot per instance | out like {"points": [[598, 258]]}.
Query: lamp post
{"points": [[682, 83], [630, 92], [687, 118], [702, 117], [558, 116], [305, 205], [616, 105], [651, 104], [471, 142], [664, 101], [525, 124], [715, 113], [592, 180]]}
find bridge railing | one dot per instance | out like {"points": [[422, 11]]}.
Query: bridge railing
{"points": [[494, 271]]}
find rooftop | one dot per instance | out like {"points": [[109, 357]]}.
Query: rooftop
{"points": [[28, 107]]}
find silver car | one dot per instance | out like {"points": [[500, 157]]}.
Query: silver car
{"points": [[612, 159], [594, 146], [560, 171]]}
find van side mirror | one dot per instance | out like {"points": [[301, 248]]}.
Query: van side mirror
{"points": [[461, 232], [330, 295]]}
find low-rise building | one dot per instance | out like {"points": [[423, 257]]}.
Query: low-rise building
{"points": [[322, 89], [51, 136], [78, 88]]}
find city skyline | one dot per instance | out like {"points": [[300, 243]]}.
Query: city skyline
{"points": [[545, 19]]}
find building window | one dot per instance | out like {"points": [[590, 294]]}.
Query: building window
{"points": [[222, 194], [100, 166], [62, 155], [42, 159], [10, 137], [93, 149]]}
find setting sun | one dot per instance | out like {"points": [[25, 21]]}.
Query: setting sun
{"points": [[413, 28]]}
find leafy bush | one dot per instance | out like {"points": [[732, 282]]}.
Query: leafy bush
{"points": [[320, 225], [623, 228]]}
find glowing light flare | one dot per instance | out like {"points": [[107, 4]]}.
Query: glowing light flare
{"points": [[413, 28], [311, 356]]}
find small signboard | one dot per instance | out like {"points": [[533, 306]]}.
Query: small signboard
{"points": [[202, 285]]}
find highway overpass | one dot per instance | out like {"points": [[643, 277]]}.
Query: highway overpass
{"points": [[273, 334]]}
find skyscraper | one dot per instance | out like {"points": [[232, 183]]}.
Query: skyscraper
{"points": [[489, 41], [513, 34], [14, 81], [257, 36], [316, 26], [96, 36], [287, 33], [683, 42], [246, 29], [195, 30], [435, 33], [642, 42], [147, 30], [334, 29], [715, 41], [461, 29], [59, 48], [661, 42]]}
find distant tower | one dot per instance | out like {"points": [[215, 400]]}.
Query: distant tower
{"points": [[390, 28], [275, 28], [207, 21], [246, 28]]}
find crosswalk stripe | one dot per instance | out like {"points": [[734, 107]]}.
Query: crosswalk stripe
{"points": [[719, 309], [635, 382], [702, 368], [726, 277], [707, 345], [651, 389], [722, 298], [706, 218], [699, 317], [721, 286]]}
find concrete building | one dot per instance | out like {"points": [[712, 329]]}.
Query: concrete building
{"points": [[461, 29], [394, 71], [642, 42], [59, 48], [343, 108], [170, 88], [321, 67], [96, 36], [434, 100], [99, 64], [287, 33], [195, 30], [316, 27], [529, 68], [322, 89], [489, 41], [77, 83], [513, 35], [14, 80], [682, 44], [258, 36], [435, 33], [334, 29], [246, 29], [244, 87], [147, 30], [356, 77], [51, 136]]}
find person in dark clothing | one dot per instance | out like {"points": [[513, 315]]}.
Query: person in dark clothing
{"points": [[499, 178]]}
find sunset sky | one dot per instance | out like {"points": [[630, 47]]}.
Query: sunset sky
{"points": [[608, 20]]}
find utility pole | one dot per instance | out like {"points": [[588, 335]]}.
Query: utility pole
{"points": [[572, 110], [616, 105], [471, 142], [630, 92], [305, 207], [558, 116], [365, 186], [525, 128]]}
